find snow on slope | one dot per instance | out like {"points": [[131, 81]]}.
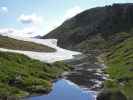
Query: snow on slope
{"points": [[60, 54]]}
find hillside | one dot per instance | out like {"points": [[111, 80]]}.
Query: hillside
{"points": [[108, 29], [102, 23], [119, 60], [10, 43], [21, 76]]}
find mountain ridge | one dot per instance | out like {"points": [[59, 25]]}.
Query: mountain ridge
{"points": [[104, 22]]}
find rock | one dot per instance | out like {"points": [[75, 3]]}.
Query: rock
{"points": [[111, 95]]}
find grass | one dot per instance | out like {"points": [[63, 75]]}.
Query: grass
{"points": [[21, 76], [10, 43], [92, 44], [120, 68]]}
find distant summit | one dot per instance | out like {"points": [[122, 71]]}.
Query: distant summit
{"points": [[38, 36]]}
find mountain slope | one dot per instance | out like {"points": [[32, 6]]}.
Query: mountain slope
{"points": [[120, 68], [108, 28], [21, 76], [101, 22], [10, 43]]}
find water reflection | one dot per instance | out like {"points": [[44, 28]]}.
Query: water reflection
{"points": [[66, 90]]}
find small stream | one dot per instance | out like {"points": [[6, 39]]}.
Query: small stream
{"points": [[82, 83], [88, 72]]}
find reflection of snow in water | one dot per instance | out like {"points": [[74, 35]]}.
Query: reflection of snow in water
{"points": [[66, 90], [60, 54]]}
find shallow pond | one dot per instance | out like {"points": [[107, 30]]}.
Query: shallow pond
{"points": [[66, 90]]}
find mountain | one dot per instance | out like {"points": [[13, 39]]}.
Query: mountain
{"points": [[101, 24], [108, 29], [38, 36]]}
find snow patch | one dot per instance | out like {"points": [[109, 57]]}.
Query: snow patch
{"points": [[60, 54]]}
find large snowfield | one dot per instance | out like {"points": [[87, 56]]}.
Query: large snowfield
{"points": [[60, 54]]}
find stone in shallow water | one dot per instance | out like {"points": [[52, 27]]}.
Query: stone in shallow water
{"points": [[66, 90]]}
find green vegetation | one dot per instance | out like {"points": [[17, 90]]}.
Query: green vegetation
{"points": [[21, 76], [10, 43], [120, 68], [92, 44]]}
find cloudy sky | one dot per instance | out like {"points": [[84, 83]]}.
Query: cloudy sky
{"points": [[38, 17]]}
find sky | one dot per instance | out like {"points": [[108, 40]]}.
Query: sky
{"points": [[38, 17]]}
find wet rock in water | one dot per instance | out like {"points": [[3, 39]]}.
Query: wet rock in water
{"points": [[111, 95], [87, 72]]}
